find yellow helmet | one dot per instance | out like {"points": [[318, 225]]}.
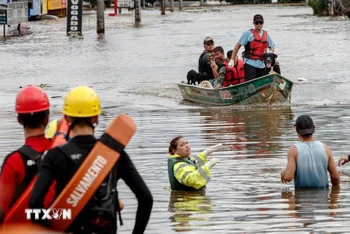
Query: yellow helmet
{"points": [[82, 102]]}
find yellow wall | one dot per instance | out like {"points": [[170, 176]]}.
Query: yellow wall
{"points": [[55, 4], [44, 7]]}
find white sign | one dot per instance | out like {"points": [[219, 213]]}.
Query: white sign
{"points": [[17, 12]]}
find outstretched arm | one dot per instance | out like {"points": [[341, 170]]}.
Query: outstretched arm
{"points": [[343, 159]]}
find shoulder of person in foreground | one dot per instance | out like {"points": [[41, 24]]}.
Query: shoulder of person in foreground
{"points": [[288, 174], [332, 168]]}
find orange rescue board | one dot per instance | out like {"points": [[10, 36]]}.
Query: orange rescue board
{"points": [[27, 228], [16, 214], [102, 157]]}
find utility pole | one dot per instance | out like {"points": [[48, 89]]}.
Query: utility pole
{"points": [[100, 17], [162, 7], [171, 5], [137, 6], [180, 4]]}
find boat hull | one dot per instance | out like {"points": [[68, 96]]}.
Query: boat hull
{"points": [[269, 89]]}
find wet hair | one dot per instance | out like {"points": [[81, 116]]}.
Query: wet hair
{"points": [[34, 120], [81, 122], [173, 144], [219, 49]]}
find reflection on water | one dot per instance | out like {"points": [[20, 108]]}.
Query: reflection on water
{"points": [[186, 209], [247, 131], [306, 205]]}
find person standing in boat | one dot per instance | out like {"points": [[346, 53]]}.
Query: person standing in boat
{"points": [[309, 160], [255, 42], [20, 166], [189, 173], [81, 109]]}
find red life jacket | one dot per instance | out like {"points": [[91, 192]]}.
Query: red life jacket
{"points": [[234, 75], [256, 48]]}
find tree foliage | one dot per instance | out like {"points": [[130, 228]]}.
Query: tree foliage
{"points": [[322, 7]]}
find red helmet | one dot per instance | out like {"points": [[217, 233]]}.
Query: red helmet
{"points": [[31, 99]]}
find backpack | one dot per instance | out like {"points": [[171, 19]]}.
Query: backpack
{"points": [[31, 161], [104, 205]]}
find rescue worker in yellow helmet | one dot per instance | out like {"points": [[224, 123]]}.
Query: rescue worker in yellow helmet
{"points": [[189, 173], [81, 109]]}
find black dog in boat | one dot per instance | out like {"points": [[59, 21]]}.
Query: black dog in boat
{"points": [[271, 64], [194, 77]]}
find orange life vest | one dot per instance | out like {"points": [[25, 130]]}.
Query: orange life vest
{"points": [[234, 75], [256, 48]]}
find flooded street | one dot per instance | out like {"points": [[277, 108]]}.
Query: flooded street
{"points": [[135, 71]]}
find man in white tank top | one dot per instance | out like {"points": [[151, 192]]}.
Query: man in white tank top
{"points": [[309, 160]]}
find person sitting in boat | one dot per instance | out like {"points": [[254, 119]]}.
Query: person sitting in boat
{"points": [[218, 68], [204, 68], [224, 75], [233, 75], [189, 173]]}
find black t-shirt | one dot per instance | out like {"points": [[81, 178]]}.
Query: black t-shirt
{"points": [[57, 166]]}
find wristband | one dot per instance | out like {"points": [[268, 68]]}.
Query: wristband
{"points": [[348, 157]]}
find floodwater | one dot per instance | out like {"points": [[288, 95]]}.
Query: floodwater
{"points": [[134, 70]]}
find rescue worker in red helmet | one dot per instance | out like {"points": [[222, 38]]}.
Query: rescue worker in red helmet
{"points": [[82, 108], [20, 166]]}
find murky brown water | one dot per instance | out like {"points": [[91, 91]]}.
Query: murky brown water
{"points": [[135, 70]]}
